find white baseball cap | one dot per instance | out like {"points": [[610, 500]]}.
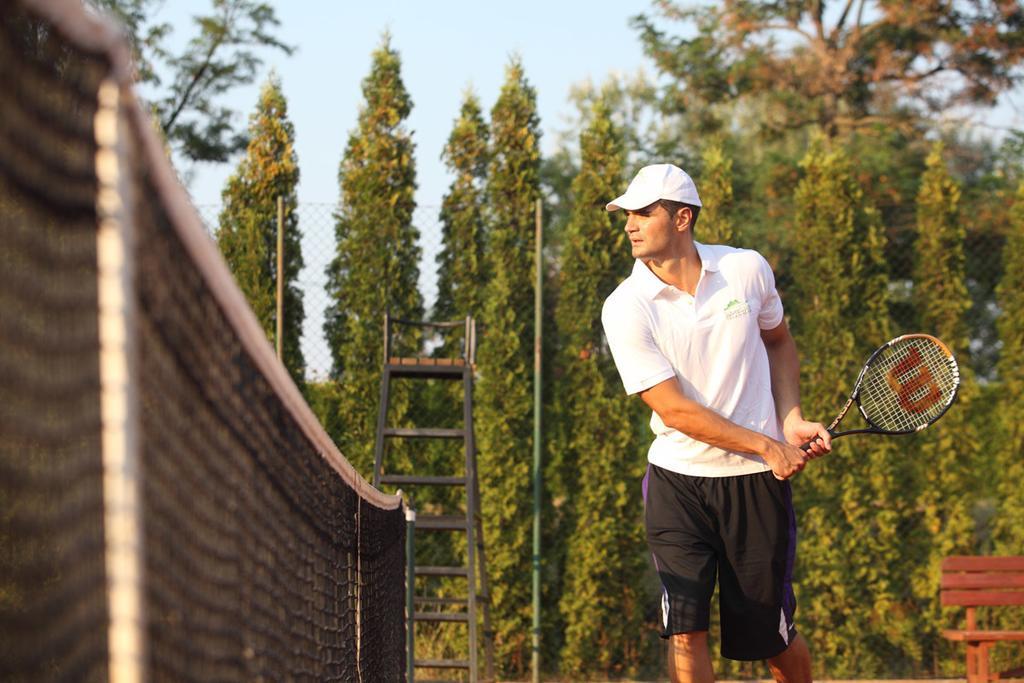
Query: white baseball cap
{"points": [[658, 181]]}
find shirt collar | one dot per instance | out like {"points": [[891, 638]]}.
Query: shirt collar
{"points": [[651, 286]]}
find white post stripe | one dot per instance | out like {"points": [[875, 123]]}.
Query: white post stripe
{"points": [[121, 482]]}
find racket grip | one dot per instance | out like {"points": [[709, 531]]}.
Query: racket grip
{"points": [[806, 446]]}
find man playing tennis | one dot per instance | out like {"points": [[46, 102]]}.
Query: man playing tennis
{"points": [[698, 332]]}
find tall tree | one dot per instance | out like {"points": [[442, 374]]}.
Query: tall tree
{"points": [[503, 395], [851, 549], [460, 263], [948, 457], [603, 597], [187, 84], [839, 65], [248, 223], [376, 266], [826, 217], [716, 193], [1009, 531]]}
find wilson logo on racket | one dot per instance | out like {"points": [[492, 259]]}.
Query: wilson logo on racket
{"points": [[907, 384], [908, 377]]}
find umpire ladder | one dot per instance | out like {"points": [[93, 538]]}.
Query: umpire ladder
{"points": [[462, 608]]}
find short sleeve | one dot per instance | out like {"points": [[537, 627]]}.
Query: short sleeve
{"points": [[771, 305], [627, 328]]}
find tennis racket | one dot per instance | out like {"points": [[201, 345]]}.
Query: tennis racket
{"points": [[906, 385]]}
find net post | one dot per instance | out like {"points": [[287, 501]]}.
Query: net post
{"points": [[359, 589], [410, 591], [122, 495], [279, 331], [537, 480]]}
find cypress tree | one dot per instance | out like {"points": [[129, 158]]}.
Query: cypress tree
{"points": [[940, 292], [826, 221], [459, 275], [602, 601], [849, 503], [376, 265], [1008, 470], [946, 454], [503, 392], [1009, 524], [460, 263], [715, 225], [248, 223]]}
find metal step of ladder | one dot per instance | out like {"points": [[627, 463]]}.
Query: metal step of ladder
{"points": [[463, 608]]}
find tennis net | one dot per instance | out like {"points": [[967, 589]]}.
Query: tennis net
{"points": [[170, 509]]}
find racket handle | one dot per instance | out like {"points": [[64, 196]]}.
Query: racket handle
{"points": [[806, 447]]}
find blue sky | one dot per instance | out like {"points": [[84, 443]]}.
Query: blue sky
{"points": [[446, 46]]}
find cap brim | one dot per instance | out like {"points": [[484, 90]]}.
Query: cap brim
{"points": [[631, 202]]}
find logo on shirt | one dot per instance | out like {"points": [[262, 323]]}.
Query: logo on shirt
{"points": [[735, 309]]}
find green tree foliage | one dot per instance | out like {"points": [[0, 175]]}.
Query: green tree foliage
{"points": [[1009, 528], [460, 275], [188, 84], [248, 223], [946, 455], [939, 288], [715, 225], [851, 589], [503, 394], [602, 599], [376, 266], [839, 66], [460, 263], [825, 223]]}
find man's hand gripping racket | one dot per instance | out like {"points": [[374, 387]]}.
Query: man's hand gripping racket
{"points": [[906, 385]]}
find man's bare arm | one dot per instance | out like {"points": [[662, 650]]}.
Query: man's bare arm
{"points": [[703, 424], [784, 362]]}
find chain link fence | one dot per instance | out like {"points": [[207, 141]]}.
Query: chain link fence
{"points": [[983, 250], [316, 223]]}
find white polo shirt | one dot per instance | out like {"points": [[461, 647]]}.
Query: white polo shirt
{"points": [[710, 342]]}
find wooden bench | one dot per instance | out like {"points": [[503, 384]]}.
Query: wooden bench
{"points": [[972, 582]]}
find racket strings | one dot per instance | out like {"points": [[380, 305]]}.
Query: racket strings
{"points": [[908, 385]]}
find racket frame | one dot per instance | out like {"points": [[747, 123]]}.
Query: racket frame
{"points": [[855, 394]]}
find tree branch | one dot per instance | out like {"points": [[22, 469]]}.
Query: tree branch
{"points": [[816, 16], [196, 78], [914, 77], [842, 18], [771, 26]]}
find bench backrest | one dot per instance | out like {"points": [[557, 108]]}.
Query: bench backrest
{"points": [[976, 581]]}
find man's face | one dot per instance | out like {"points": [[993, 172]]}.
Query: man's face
{"points": [[650, 231]]}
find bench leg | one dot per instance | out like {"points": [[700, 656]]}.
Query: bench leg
{"points": [[972, 663], [984, 674]]}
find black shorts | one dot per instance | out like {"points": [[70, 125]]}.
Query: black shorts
{"points": [[741, 529]]}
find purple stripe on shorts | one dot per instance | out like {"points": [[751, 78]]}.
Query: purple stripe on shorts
{"points": [[788, 597], [643, 484], [643, 487]]}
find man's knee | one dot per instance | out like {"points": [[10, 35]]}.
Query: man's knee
{"points": [[693, 641]]}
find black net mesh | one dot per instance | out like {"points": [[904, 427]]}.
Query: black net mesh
{"points": [[260, 561], [52, 580]]}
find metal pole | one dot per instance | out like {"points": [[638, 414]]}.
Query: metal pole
{"points": [[280, 276], [410, 592], [537, 344]]}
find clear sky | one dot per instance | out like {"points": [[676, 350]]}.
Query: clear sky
{"points": [[446, 47]]}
